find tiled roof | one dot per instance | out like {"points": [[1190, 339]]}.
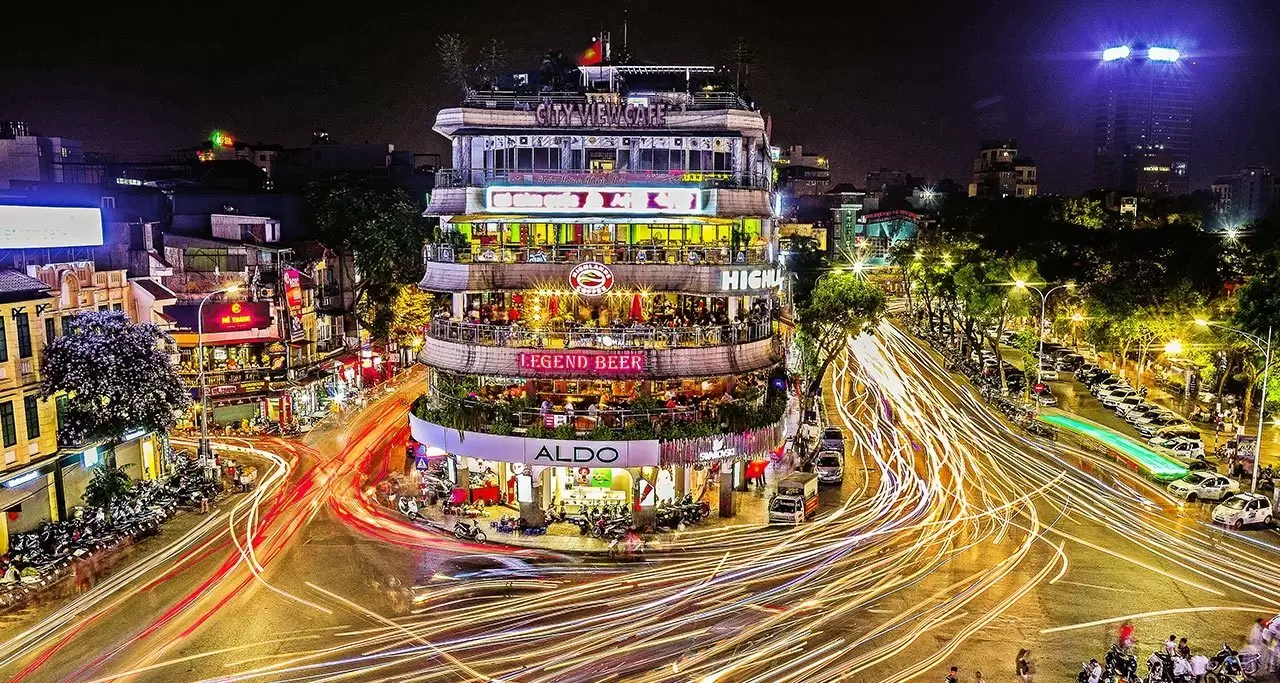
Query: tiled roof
{"points": [[14, 282], [155, 289]]}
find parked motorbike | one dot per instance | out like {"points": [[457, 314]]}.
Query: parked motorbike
{"points": [[469, 532]]}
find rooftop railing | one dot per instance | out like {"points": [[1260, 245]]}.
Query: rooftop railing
{"points": [[480, 177], [679, 101], [631, 337], [686, 255]]}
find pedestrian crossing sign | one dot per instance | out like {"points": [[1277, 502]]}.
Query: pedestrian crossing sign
{"points": [[420, 462]]}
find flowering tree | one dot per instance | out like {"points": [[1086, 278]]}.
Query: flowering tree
{"points": [[116, 376]]}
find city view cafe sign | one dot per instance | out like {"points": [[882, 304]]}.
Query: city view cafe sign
{"points": [[600, 115]]}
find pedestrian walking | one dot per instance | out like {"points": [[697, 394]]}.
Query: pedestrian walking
{"points": [[1200, 667], [1125, 636], [1022, 666], [953, 676], [977, 677]]}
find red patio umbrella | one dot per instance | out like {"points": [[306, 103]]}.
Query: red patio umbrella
{"points": [[637, 308], [553, 306]]}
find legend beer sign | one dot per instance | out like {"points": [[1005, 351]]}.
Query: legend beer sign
{"points": [[574, 363], [594, 200]]}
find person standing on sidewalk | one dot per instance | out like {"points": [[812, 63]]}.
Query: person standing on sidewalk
{"points": [[953, 676], [1022, 666]]}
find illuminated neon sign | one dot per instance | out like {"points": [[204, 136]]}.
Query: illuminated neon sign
{"points": [[40, 227], [235, 316], [601, 115], [610, 364], [597, 200]]}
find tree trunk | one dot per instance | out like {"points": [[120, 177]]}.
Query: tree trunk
{"points": [[1222, 379]]}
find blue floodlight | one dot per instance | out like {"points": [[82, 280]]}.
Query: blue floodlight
{"points": [[1163, 54], [1111, 54]]}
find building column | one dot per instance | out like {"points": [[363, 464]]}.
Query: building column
{"points": [[459, 305], [57, 506], [4, 532], [732, 308], [726, 491]]}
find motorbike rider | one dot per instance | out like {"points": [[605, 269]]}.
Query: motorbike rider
{"points": [[1125, 637], [1199, 667]]}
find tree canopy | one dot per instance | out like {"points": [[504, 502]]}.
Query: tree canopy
{"points": [[842, 305], [379, 226], [116, 375]]}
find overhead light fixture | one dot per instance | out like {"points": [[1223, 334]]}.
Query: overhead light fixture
{"points": [[1163, 54], [1111, 54]]}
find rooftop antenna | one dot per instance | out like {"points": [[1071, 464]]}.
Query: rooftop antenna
{"points": [[625, 11]]}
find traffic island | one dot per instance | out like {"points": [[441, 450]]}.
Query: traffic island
{"points": [[1125, 449]]}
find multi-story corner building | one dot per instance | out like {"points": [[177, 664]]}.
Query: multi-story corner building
{"points": [[42, 478], [28, 157], [1142, 120], [999, 172], [607, 288], [1246, 196]]}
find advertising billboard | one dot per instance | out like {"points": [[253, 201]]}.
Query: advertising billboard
{"points": [[293, 303], [224, 316], [594, 200], [45, 227]]}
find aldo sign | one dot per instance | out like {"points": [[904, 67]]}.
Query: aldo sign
{"points": [[749, 279]]}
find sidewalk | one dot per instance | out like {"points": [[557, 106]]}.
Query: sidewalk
{"points": [[1270, 453]]}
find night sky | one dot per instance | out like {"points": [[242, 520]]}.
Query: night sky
{"points": [[880, 86]]}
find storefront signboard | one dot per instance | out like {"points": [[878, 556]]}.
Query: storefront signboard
{"points": [[591, 278], [718, 451], [749, 279], [224, 316], [593, 200], [604, 363], [537, 452], [600, 115], [293, 303]]}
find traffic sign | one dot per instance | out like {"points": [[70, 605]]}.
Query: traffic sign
{"points": [[420, 463], [1039, 388]]}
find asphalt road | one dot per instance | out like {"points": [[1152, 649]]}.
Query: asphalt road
{"points": [[953, 539]]}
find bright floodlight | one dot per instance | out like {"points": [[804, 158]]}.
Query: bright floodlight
{"points": [[1111, 54], [1202, 322], [1163, 54], [1020, 284], [1174, 347], [231, 289]]}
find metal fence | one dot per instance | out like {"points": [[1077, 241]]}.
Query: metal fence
{"points": [[480, 177], [624, 338], [584, 419], [686, 255]]}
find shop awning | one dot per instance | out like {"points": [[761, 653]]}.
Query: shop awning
{"points": [[223, 339]]}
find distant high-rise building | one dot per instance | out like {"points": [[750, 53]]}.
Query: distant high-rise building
{"points": [[26, 157], [998, 171], [1246, 196], [1142, 122]]}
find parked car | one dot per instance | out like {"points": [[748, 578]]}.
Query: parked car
{"points": [[1124, 406], [832, 440], [1113, 398], [1180, 428], [1242, 509], [1203, 486], [1047, 373], [1149, 429], [1046, 398], [1106, 385], [829, 466], [1183, 449], [1141, 411]]}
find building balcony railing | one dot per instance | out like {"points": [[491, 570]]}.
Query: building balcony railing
{"points": [[633, 337], [481, 177], [683, 255], [713, 414], [679, 101]]}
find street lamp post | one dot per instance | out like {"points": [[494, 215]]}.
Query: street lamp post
{"points": [[1265, 347], [1044, 304], [204, 450]]}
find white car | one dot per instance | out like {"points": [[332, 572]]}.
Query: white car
{"points": [[1242, 509], [1152, 415], [1124, 407], [1183, 449], [1046, 398], [829, 466], [1115, 396], [1048, 373], [1203, 486]]}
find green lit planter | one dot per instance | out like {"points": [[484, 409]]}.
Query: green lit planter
{"points": [[1129, 450]]}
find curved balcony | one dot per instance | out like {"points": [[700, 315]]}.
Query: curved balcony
{"points": [[662, 362], [482, 177], [443, 274], [738, 201], [634, 337], [708, 255]]}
